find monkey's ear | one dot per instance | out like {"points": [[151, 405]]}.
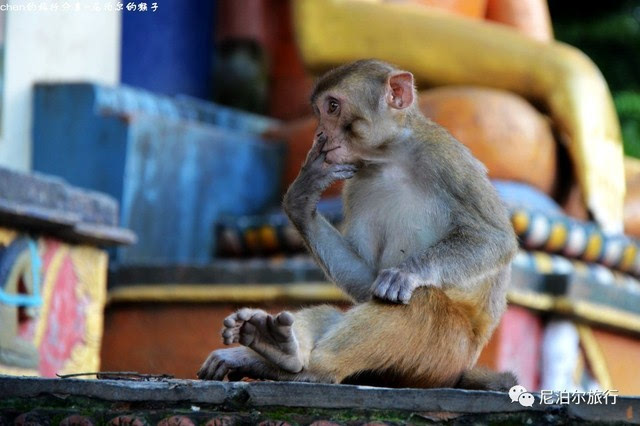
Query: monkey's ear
{"points": [[400, 90]]}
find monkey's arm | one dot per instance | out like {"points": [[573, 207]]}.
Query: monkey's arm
{"points": [[332, 252], [336, 257], [462, 258]]}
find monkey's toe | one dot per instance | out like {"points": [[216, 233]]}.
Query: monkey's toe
{"points": [[247, 334], [285, 318], [230, 336], [235, 323], [223, 363], [214, 368]]}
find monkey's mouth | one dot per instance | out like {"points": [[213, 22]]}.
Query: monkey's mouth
{"points": [[332, 149]]}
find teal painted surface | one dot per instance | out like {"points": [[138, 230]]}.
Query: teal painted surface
{"points": [[175, 165]]}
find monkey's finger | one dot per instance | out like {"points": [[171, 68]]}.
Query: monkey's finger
{"points": [[381, 283], [385, 281], [405, 293], [342, 168], [317, 160], [345, 167], [316, 150], [342, 175], [380, 289], [319, 143], [392, 292]]}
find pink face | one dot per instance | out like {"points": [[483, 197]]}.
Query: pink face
{"points": [[332, 131]]}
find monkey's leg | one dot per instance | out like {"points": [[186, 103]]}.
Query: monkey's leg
{"points": [[428, 343], [275, 337]]}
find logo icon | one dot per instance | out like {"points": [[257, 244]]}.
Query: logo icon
{"points": [[519, 393]]}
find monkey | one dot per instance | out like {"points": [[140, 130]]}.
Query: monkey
{"points": [[424, 250]]}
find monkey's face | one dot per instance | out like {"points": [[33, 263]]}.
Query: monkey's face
{"points": [[360, 116], [346, 130]]}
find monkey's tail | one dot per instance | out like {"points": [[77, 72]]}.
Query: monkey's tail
{"points": [[479, 378]]}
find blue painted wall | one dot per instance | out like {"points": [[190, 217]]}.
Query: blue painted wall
{"points": [[175, 165], [181, 177], [170, 50], [71, 141]]}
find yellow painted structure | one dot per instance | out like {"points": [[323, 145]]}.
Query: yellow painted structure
{"points": [[72, 275], [444, 49]]}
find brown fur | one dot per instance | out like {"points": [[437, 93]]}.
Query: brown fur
{"points": [[398, 339]]}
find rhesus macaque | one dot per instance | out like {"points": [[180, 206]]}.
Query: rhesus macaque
{"points": [[424, 250]]}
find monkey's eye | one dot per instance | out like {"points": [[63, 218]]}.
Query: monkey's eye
{"points": [[333, 106]]}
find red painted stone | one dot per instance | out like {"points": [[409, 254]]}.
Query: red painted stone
{"points": [[66, 313], [519, 344], [176, 421], [273, 423], [66, 322], [30, 419], [127, 421], [76, 420], [324, 423], [221, 421]]}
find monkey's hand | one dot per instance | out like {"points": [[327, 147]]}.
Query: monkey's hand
{"points": [[314, 177], [395, 285]]}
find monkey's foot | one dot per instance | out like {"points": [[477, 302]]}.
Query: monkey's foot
{"points": [[270, 336], [234, 363]]}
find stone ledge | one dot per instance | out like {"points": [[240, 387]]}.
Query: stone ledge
{"points": [[48, 204], [242, 400]]}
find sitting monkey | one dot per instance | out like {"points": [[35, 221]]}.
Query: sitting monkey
{"points": [[424, 250]]}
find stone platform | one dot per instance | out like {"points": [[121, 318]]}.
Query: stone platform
{"points": [[189, 402]]}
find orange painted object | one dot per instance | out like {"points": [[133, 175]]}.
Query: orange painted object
{"points": [[161, 338], [166, 338], [620, 353], [502, 130], [298, 135], [574, 204], [530, 17], [469, 8]]}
